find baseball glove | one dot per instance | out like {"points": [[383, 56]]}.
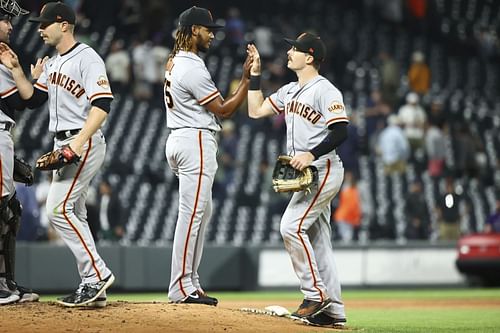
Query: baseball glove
{"points": [[56, 159], [22, 172], [288, 179]]}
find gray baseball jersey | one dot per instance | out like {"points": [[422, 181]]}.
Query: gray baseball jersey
{"points": [[73, 80], [305, 225], [191, 154], [7, 88], [190, 87]]}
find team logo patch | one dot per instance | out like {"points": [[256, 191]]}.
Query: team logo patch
{"points": [[336, 107], [102, 82]]}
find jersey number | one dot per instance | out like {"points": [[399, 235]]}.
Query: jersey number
{"points": [[168, 96]]}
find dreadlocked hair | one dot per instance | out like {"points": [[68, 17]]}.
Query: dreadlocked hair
{"points": [[182, 41]]}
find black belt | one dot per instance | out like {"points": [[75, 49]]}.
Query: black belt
{"points": [[63, 135], [198, 128], [6, 126]]}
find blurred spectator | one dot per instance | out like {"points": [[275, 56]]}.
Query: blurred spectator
{"points": [[143, 64], [235, 28], [348, 151], [493, 221], [412, 116], [393, 147], [30, 228], [416, 212], [419, 74], [468, 148], [118, 66], [227, 156], [390, 76], [436, 114], [159, 55], [418, 12], [347, 216], [435, 147], [376, 109], [110, 214], [448, 211], [488, 43], [264, 41]]}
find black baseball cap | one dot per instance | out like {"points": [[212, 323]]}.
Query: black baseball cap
{"points": [[198, 16], [55, 12], [310, 44]]}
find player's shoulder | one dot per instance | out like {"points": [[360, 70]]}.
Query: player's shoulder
{"points": [[87, 53], [289, 87], [324, 85], [187, 65]]}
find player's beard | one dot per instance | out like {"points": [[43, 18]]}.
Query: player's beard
{"points": [[203, 46]]}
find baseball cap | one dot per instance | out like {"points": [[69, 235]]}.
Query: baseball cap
{"points": [[198, 16], [55, 12], [310, 44]]}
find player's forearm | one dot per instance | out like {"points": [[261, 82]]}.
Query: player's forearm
{"points": [[255, 101], [230, 105], [94, 121], [24, 86]]}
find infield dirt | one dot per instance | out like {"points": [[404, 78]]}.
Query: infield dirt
{"points": [[121, 316]]}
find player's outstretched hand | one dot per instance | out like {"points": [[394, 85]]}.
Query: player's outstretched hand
{"points": [[254, 53], [8, 57], [37, 69], [246, 67]]}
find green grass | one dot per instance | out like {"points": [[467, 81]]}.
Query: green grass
{"points": [[381, 320]]}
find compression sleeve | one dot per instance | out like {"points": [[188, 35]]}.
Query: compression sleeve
{"points": [[337, 135]]}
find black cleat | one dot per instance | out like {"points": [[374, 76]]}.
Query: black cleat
{"points": [[324, 320], [310, 308], [87, 293], [199, 298]]}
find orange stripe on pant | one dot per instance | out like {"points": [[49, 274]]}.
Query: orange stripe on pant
{"points": [[300, 227], [66, 216], [192, 215], [1, 179]]}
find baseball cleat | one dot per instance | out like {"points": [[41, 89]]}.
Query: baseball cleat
{"points": [[309, 308], [100, 302], [199, 298], [324, 320], [26, 295], [7, 297], [87, 293]]}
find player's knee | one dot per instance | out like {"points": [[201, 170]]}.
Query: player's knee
{"points": [[53, 211], [10, 214], [287, 230]]}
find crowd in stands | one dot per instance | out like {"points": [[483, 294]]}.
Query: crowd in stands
{"points": [[415, 115]]}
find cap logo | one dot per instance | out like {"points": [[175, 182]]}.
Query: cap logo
{"points": [[311, 50], [58, 17], [210, 14], [43, 8]]}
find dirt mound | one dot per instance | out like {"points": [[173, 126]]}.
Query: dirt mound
{"points": [[142, 317]]}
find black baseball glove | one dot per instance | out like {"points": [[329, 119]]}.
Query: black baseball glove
{"points": [[288, 179], [23, 173]]}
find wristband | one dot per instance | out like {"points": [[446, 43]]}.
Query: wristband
{"points": [[254, 82]]}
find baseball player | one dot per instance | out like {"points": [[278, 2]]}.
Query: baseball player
{"points": [[316, 124], [10, 208], [79, 96], [193, 106]]}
